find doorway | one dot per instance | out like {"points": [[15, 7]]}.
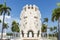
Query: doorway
{"points": [[30, 33]]}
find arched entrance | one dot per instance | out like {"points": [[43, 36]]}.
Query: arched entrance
{"points": [[38, 33], [22, 33], [30, 33]]}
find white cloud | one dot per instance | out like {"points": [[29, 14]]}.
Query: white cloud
{"points": [[6, 17]]}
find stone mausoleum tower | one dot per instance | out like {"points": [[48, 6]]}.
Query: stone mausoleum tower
{"points": [[30, 23]]}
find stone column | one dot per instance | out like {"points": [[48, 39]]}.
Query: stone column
{"points": [[25, 34], [40, 34], [20, 35], [35, 34]]}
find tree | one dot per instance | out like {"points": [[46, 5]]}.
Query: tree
{"points": [[15, 27], [51, 29], [5, 26], [0, 21], [56, 17], [45, 20], [54, 31], [44, 28], [1, 7], [4, 10]]}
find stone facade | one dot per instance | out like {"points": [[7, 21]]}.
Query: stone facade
{"points": [[30, 23]]}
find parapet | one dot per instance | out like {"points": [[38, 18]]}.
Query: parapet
{"points": [[30, 7]]}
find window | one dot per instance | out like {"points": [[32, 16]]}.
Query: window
{"points": [[35, 9], [25, 17], [35, 17], [32, 7], [28, 7]]}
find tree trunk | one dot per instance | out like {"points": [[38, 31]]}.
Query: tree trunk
{"points": [[2, 26], [58, 29]]}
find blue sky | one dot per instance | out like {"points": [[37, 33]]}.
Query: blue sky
{"points": [[45, 7]]}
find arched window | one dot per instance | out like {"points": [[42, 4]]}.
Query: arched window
{"points": [[25, 17], [35, 9], [28, 7], [30, 32], [35, 17], [32, 7]]}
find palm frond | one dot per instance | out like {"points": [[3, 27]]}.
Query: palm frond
{"points": [[0, 21], [9, 8], [55, 14], [45, 20], [1, 12], [8, 13], [1, 5], [5, 25]]}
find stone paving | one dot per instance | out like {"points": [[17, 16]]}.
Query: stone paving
{"points": [[51, 38], [54, 38]]}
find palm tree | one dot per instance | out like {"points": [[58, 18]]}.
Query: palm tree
{"points": [[45, 20], [56, 17], [4, 10], [55, 32], [44, 29], [1, 6], [51, 29], [15, 27], [5, 26], [0, 21], [55, 28]]}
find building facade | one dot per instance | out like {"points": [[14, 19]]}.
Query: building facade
{"points": [[30, 23]]}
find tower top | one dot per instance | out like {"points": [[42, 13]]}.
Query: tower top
{"points": [[30, 7]]}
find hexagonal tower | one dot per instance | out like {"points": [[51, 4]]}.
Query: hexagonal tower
{"points": [[30, 23]]}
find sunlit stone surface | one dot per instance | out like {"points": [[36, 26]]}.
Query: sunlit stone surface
{"points": [[30, 23]]}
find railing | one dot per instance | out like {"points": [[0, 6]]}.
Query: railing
{"points": [[18, 37]]}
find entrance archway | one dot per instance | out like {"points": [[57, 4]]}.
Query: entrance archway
{"points": [[30, 33], [22, 33]]}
